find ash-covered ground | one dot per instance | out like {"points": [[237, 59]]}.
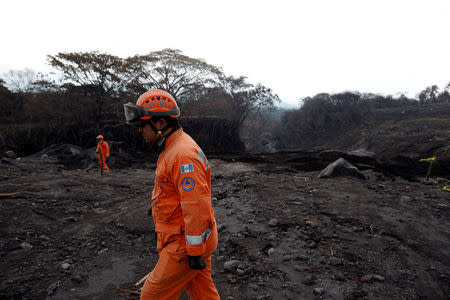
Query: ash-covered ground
{"points": [[283, 233]]}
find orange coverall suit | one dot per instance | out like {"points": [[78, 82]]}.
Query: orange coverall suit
{"points": [[104, 148], [184, 222]]}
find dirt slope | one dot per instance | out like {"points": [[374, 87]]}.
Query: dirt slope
{"points": [[72, 234]]}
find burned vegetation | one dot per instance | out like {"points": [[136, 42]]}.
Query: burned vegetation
{"points": [[327, 201]]}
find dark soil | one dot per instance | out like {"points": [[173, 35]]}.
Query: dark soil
{"points": [[74, 234]]}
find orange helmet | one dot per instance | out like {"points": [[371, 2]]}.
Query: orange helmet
{"points": [[154, 103], [100, 137]]}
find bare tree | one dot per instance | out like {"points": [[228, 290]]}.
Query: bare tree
{"points": [[20, 81]]}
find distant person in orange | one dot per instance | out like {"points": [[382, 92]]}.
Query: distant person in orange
{"points": [[181, 202], [103, 148]]}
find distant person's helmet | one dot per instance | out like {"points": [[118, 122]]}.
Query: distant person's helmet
{"points": [[100, 137], [154, 103]]}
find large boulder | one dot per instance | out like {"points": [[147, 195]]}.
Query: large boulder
{"points": [[70, 156], [340, 167]]}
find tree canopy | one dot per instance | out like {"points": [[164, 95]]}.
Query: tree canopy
{"points": [[174, 72]]}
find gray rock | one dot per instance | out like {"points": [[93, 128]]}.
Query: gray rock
{"points": [[362, 153], [339, 276], [240, 271], [44, 237], [271, 251], [302, 257], [309, 280], [340, 167], [65, 266], [231, 265], [44, 157], [26, 246], [405, 199], [74, 151], [318, 291], [287, 257], [99, 210], [378, 278], [71, 219], [335, 261], [273, 222], [11, 154]]}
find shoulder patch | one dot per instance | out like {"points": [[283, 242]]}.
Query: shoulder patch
{"points": [[187, 168], [187, 184], [202, 158]]}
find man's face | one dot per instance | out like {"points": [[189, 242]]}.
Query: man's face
{"points": [[100, 140], [148, 134]]}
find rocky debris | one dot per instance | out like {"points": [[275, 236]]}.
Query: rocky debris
{"points": [[26, 246], [269, 142], [273, 222], [366, 278], [77, 278], [289, 234], [70, 156], [405, 199], [10, 154], [339, 276], [362, 153], [319, 291], [340, 167], [309, 279], [378, 278], [231, 265], [5, 160]]}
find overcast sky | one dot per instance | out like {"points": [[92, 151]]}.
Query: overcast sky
{"points": [[297, 48]]}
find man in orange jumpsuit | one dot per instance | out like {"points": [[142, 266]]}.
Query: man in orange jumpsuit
{"points": [[181, 202], [103, 147]]}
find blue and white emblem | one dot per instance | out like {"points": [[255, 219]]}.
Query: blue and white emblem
{"points": [[187, 184], [187, 168]]}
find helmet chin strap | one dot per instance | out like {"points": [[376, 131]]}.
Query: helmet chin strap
{"points": [[160, 132], [159, 135]]}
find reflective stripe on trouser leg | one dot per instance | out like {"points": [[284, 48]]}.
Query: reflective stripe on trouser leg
{"points": [[170, 277]]}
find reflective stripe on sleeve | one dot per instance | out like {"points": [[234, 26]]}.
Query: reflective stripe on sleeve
{"points": [[202, 158], [198, 239]]}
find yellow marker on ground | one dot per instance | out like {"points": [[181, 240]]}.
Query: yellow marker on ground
{"points": [[431, 160], [428, 159]]}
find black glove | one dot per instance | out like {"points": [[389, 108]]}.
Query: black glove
{"points": [[196, 262]]}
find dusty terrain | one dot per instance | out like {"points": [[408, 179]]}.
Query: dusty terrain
{"points": [[283, 233]]}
